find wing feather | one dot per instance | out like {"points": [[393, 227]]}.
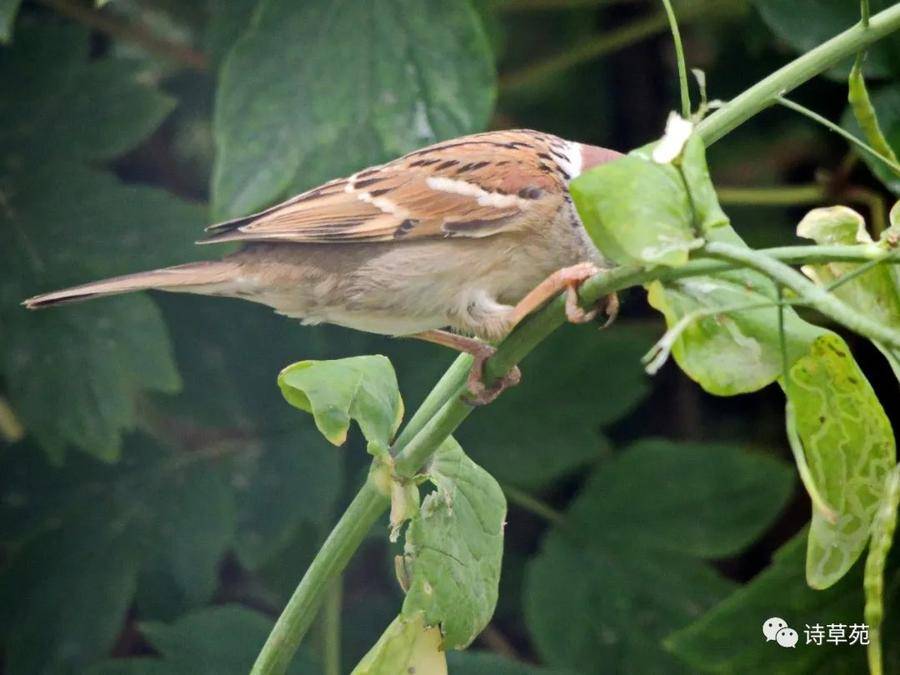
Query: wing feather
{"points": [[475, 186]]}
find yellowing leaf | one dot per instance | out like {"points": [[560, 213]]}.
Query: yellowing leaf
{"points": [[406, 646], [849, 448]]}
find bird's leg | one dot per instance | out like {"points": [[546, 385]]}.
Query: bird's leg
{"points": [[568, 278], [481, 351]]}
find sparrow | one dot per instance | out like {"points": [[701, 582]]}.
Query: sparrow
{"points": [[470, 234]]}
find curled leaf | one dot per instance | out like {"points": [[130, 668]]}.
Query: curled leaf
{"points": [[361, 388]]}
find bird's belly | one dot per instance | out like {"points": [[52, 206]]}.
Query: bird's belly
{"points": [[375, 322]]}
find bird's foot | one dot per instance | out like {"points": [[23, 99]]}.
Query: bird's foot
{"points": [[571, 279], [480, 393]]}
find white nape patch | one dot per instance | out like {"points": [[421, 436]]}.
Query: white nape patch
{"points": [[484, 198], [572, 163], [386, 205], [350, 186]]}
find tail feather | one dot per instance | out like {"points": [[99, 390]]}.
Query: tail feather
{"points": [[196, 277]]}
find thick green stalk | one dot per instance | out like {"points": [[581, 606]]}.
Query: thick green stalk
{"points": [[330, 561], [443, 410], [763, 94]]}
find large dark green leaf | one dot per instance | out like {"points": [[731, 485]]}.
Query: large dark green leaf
{"points": [[728, 638], [286, 474], [626, 567], [314, 90], [86, 532], [64, 222]]}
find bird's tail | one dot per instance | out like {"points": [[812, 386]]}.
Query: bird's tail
{"points": [[207, 277]]}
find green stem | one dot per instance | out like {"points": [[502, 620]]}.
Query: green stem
{"points": [[831, 126], [792, 195], [300, 611], [331, 643], [679, 57], [764, 93], [815, 296]]}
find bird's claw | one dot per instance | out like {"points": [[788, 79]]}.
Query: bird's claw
{"points": [[479, 392]]}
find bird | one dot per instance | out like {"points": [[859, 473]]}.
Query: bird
{"points": [[470, 234]]}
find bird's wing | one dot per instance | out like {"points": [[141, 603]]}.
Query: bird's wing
{"points": [[471, 187]]}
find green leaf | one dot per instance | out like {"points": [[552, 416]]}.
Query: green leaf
{"points": [[285, 475], [454, 547], [849, 447], [728, 350], [74, 375], [65, 222], [8, 11], [886, 104], [636, 211], [804, 24], [699, 185], [156, 509], [221, 640], [626, 565], [728, 639], [360, 388], [408, 645], [876, 292], [569, 369], [299, 103]]}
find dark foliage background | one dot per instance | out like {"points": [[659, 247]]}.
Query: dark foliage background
{"points": [[159, 500]]}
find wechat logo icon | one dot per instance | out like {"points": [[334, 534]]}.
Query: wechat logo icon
{"points": [[777, 629]]}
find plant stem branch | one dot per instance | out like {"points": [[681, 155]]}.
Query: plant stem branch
{"points": [[831, 126], [679, 58], [815, 296], [331, 643], [130, 32], [792, 195], [764, 93], [300, 611]]}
